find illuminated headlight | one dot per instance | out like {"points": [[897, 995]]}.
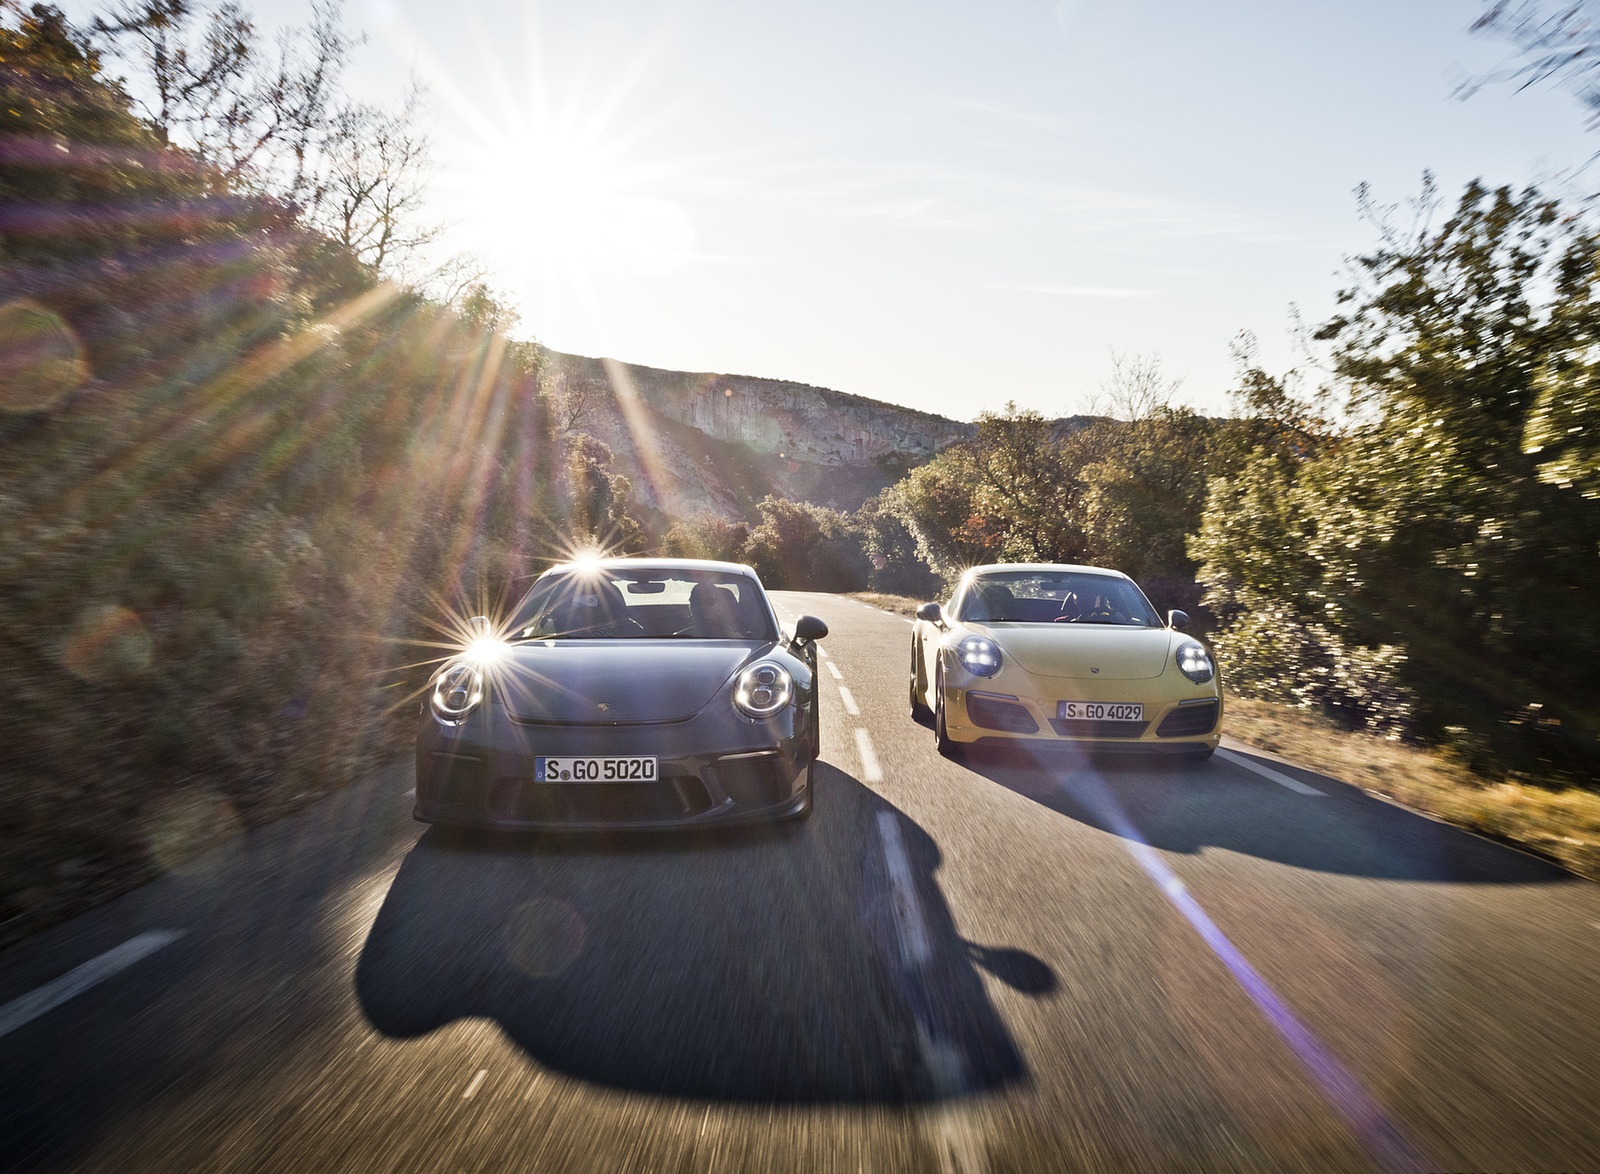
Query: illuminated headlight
{"points": [[1194, 662], [979, 655], [485, 651], [457, 692], [763, 689]]}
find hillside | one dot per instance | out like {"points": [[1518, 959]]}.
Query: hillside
{"points": [[711, 443]]}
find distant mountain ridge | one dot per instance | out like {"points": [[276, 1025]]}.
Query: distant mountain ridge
{"points": [[694, 442]]}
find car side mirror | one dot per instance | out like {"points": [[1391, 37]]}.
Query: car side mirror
{"points": [[931, 613], [1177, 620], [809, 628]]}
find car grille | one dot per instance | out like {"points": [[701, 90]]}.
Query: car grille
{"points": [[1188, 720], [1080, 728], [993, 714]]}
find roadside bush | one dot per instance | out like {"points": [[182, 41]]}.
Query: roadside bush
{"points": [[802, 547], [1434, 571]]}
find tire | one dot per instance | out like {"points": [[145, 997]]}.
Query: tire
{"points": [[947, 746], [811, 795], [816, 721], [919, 708]]}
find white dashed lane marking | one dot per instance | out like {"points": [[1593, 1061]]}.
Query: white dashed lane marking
{"points": [[871, 772], [1268, 773], [476, 1082], [74, 982], [849, 700], [909, 922], [834, 669]]}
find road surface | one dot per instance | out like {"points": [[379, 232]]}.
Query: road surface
{"points": [[999, 965]]}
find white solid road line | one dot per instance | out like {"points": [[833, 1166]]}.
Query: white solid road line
{"points": [[74, 982], [871, 772], [849, 700], [1267, 772]]}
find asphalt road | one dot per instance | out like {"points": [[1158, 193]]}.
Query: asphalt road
{"points": [[1001, 965]]}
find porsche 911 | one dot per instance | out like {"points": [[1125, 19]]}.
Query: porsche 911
{"points": [[625, 693], [1052, 654]]}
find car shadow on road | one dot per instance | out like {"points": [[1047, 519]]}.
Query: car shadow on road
{"points": [[801, 963], [1187, 808]]}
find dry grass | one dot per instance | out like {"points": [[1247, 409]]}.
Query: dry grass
{"points": [[1563, 826], [900, 605]]}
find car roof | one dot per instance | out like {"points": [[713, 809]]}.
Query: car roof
{"points": [[662, 564], [989, 568]]}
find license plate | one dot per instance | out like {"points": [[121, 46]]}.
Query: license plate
{"points": [[1099, 711], [594, 770]]}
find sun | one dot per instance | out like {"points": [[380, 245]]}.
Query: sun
{"points": [[561, 201]]}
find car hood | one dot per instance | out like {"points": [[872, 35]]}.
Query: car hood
{"points": [[1101, 652], [617, 682]]}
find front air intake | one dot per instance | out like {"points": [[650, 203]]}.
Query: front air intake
{"points": [[1188, 720]]}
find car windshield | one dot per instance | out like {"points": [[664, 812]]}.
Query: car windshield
{"points": [[644, 603], [1052, 597]]}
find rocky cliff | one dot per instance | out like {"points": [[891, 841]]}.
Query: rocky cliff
{"points": [[695, 443]]}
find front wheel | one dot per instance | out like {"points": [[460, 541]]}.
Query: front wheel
{"points": [[811, 794], [947, 746], [816, 719], [919, 708]]}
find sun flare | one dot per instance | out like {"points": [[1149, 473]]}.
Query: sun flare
{"points": [[564, 204]]}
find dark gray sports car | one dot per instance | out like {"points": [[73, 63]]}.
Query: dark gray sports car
{"points": [[625, 693]]}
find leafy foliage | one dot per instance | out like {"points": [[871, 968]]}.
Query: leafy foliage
{"points": [[709, 537], [1434, 570], [1114, 493], [799, 545], [240, 482]]}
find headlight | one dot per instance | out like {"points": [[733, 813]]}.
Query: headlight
{"points": [[456, 692], [979, 655], [1194, 662], [763, 689]]}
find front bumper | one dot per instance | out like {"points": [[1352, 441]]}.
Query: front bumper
{"points": [[713, 769], [1013, 707]]}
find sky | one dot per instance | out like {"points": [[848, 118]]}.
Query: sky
{"points": [[945, 205]]}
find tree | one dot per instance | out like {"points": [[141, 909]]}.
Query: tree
{"points": [[799, 546], [710, 536], [601, 499], [1562, 47], [891, 548], [1440, 558], [1010, 493], [1144, 491], [377, 168], [1136, 388], [275, 121]]}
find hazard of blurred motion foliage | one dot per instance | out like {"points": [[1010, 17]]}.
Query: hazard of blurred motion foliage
{"points": [[252, 461], [1430, 568], [240, 474]]}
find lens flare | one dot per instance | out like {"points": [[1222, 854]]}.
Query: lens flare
{"points": [[543, 937], [41, 359], [181, 829], [1362, 1114], [108, 643]]}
